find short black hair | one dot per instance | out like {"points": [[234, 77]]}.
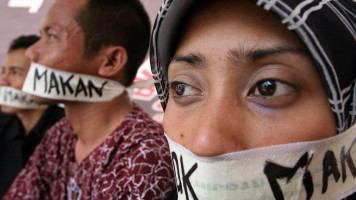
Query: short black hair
{"points": [[23, 41], [116, 22]]}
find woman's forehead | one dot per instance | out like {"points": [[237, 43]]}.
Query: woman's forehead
{"points": [[244, 32]]}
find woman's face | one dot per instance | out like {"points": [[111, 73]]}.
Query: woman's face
{"points": [[240, 80]]}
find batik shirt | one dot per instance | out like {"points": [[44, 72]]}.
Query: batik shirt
{"points": [[132, 163], [16, 147]]}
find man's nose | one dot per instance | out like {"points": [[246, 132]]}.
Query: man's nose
{"points": [[33, 53], [218, 129]]}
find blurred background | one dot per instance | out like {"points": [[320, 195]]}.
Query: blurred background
{"points": [[21, 17]]}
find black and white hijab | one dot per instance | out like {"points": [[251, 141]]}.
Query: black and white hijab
{"points": [[327, 28]]}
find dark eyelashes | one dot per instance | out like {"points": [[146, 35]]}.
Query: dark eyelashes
{"points": [[273, 80]]}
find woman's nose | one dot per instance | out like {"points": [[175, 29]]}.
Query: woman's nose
{"points": [[217, 130]]}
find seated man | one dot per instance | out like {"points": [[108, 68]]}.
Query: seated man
{"points": [[107, 147], [22, 135]]}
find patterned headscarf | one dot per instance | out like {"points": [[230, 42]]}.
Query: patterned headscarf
{"points": [[327, 28]]}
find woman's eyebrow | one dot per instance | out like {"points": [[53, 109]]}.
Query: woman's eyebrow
{"points": [[192, 59], [238, 55]]}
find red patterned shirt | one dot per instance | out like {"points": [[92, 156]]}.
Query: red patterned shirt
{"points": [[132, 163]]}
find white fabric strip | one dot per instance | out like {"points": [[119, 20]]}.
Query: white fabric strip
{"points": [[323, 169], [16, 98], [61, 85]]}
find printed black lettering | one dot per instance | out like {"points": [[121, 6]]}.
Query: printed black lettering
{"points": [[232, 186], [15, 97], [176, 170], [7, 95], [65, 84], [98, 90], [329, 167], [80, 87], [346, 157], [274, 171], [53, 83], [186, 181], [10, 96], [257, 184], [23, 99], [38, 77], [245, 185]]}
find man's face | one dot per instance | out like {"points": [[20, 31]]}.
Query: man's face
{"points": [[13, 74], [61, 45], [240, 80]]}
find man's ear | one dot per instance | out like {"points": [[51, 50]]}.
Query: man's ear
{"points": [[114, 61]]}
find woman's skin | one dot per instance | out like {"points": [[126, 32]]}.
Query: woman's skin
{"points": [[240, 80]]}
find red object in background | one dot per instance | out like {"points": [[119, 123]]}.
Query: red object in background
{"points": [[144, 94]]}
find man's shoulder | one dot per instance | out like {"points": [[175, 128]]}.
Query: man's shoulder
{"points": [[139, 127], [137, 130], [60, 130], [139, 120], [61, 124]]}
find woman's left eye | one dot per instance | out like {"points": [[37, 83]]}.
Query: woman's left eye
{"points": [[270, 88]]}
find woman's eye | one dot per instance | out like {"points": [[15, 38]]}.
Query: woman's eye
{"points": [[269, 88], [181, 90], [273, 93]]}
